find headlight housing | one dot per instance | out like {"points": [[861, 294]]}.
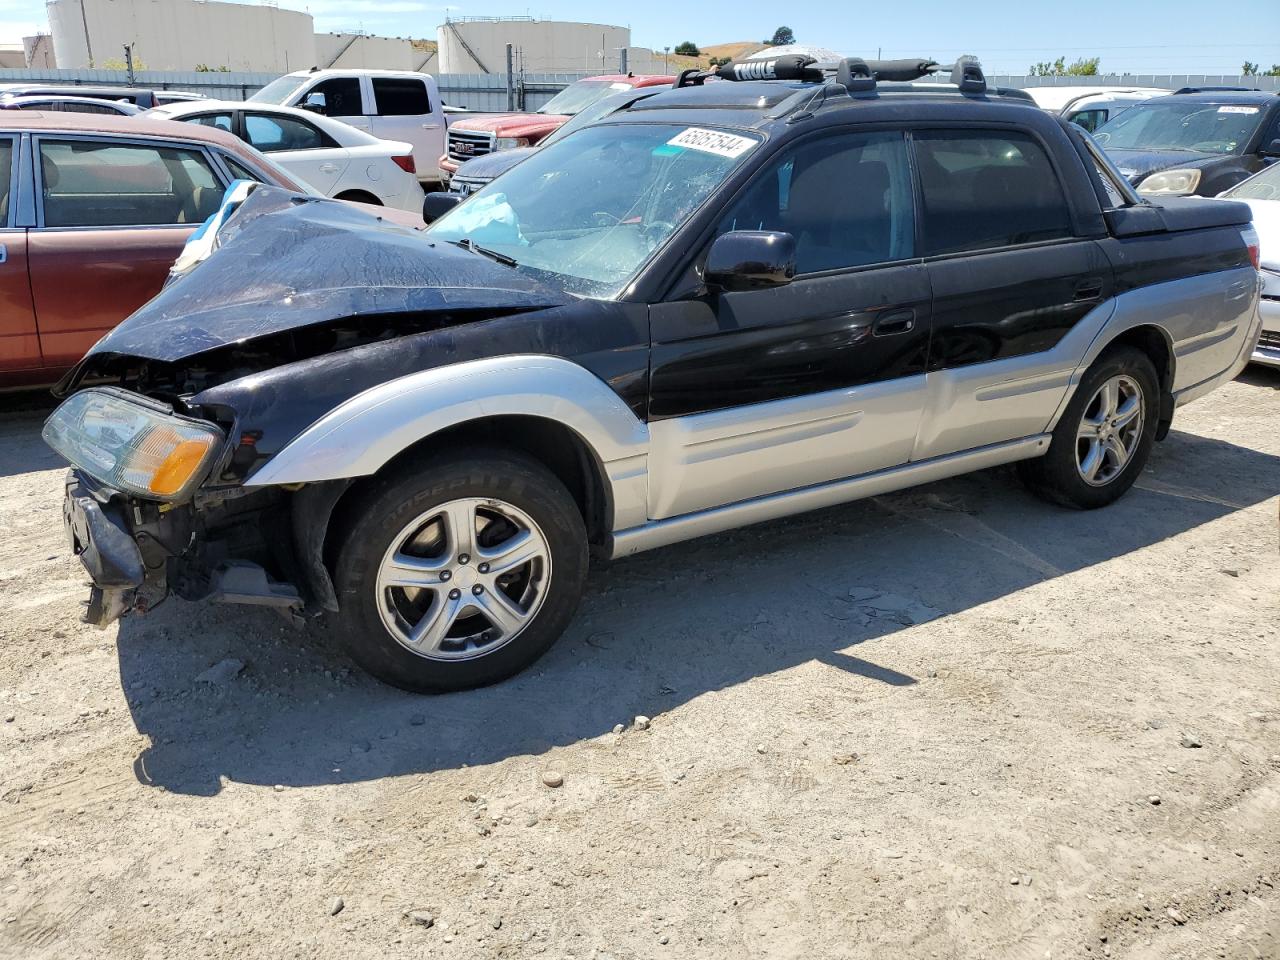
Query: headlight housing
{"points": [[133, 444], [1171, 183], [510, 143]]}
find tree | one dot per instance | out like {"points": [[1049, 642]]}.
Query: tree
{"points": [[1274, 71], [720, 61], [1060, 68], [688, 49], [781, 37], [1249, 69]]}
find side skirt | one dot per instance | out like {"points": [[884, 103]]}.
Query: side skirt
{"points": [[660, 533]]}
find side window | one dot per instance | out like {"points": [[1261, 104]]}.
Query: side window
{"points": [[6, 176], [99, 108], [394, 97], [1091, 120], [341, 96], [220, 121], [239, 171], [100, 184], [846, 199], [987, 189], [270, 134]]}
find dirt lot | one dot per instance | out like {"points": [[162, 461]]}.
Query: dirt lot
{"points": [[953, 722]]}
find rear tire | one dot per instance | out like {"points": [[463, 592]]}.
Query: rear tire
{"points": [[1105, 435], [459, 572]]}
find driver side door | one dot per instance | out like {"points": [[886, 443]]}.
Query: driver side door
{"points": [[755, 392]]}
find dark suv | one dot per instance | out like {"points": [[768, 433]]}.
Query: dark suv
{"points": [[1195, 141], [733, 301]]}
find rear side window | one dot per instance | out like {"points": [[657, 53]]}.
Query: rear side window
{"points": [[70, 107], [341, 96], [1091, 120], [219, 121], [6, 176], [271, 134], [395, 97], [96, 184], [846, 199], [240, 171], [982, 189]]}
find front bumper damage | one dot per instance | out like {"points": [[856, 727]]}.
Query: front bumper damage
{"points": [[226, 549]]}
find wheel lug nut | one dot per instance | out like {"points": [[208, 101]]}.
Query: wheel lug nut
{"points": [[454, 594], [464, 558], [445, 574], [483, 568], [477, 589]]}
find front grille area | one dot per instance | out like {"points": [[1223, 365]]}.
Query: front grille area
{"points": [[463, 145], [1270, 338]]}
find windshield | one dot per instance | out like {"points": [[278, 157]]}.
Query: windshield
{"points": [[588, 212], [574, 97], [1174, 124], [596, 111], [1263, 186], [279, 90]]}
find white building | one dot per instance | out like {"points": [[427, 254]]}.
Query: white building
{"points": [[479, 45], [181, 35], [357, 51]]}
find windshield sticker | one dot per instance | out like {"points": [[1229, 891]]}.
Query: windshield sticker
{"points": [[712, 141], [1238, 109]]}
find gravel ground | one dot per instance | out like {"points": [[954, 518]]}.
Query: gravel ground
{"points": [[951, 722]]}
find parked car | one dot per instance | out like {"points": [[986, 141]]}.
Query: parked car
{"points": [[335, 158], [478, 171], [51, 104], [88, 232], [1194, 142], [1091, 107], [389, 104], [698, 313], [490, 133], [1262, 193], [144, 99]]}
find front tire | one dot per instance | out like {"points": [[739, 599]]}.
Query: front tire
{"points": [[459, 572], [1105, 435]]}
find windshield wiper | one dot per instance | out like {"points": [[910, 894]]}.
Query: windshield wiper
{"points": [[466, 243]]}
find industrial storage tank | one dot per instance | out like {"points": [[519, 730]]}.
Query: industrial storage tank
{"points": [[479, 45], [181, 35]]}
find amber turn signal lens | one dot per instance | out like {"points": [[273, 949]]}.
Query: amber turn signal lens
{"points": [[178, 466]]}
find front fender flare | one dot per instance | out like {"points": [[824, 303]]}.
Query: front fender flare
{"points": [[361, 435]]}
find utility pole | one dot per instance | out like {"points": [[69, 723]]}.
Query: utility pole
{"points": [[511, 86], [128, 61]]}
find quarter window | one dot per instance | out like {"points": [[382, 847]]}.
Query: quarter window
{"points": [[986, 189], [395, 97], [271, 134], [219, 121], [95, 184], [846, 200]]}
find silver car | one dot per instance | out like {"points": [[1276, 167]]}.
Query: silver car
{"points": [[1262, 193]]}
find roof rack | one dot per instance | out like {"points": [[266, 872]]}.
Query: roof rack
{"points": [[853, 73], [1215, 90]]}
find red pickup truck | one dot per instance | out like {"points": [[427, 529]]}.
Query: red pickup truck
{"points": [[474, 137]]}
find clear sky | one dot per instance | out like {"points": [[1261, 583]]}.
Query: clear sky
{"points": [[1172, 36]]}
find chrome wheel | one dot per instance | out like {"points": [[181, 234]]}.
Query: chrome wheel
{"points": [[1110, 430], [463, 579]]}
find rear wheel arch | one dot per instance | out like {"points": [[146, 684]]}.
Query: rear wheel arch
{"points": [[359, 196], [1156, 343]]}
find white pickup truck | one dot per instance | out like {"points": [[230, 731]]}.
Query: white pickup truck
{"points": [[390, 104]]}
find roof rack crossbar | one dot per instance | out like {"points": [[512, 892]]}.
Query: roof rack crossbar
{"points": [[853, 73]]}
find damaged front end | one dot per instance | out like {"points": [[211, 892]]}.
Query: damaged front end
{"points": [[293, 306]]}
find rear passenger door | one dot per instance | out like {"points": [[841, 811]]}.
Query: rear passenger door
{"points": [[403, 111], [1009, 277], [301, 148], [345, 99], [755, 392], [19, 343], [111, 217]]}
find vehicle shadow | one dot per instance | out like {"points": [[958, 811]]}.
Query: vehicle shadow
{"points": [[654, 631], [22, 414]]}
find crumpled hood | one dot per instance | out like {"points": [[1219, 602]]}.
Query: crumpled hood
{"points": [[1135, 164], [285, 261], [490, 165]]}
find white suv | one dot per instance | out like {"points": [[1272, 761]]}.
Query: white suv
{"points": [[390, 104]]}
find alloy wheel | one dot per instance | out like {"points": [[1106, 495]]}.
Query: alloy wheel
{"points": [[1110, 430]]}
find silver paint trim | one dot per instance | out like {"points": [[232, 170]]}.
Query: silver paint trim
{"points": [[362, 434], [660, 533]]}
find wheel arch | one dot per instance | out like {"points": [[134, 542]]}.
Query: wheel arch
{"points": [[360, 196], [1156, 343]]}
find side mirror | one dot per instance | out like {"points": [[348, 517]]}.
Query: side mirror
{"points": [[1272, 149], [436, 205], [315, 102], [750, 259]]}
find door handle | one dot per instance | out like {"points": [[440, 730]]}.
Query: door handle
{"points": [[431, 126], [1089, 288], [328, 168], [894, 322]]}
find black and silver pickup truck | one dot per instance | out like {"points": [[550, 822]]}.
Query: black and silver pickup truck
{"points": [[775, 287]]}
